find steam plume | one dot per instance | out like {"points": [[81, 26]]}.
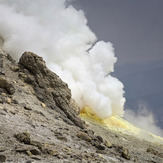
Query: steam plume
{"points": [[59, 33], [143, 119]]}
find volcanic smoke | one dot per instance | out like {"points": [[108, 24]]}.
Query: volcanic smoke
{"points": [[59, 33]]}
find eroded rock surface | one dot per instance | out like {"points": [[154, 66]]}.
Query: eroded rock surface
{"points": [[49, 88]]}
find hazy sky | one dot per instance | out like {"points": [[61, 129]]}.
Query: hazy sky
{"points": [[135, 27]]}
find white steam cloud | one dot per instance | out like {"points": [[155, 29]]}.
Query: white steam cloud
{"points": [[59, 33], [143, 119]]}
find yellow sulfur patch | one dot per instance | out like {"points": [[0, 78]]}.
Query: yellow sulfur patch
{"points": [[119, 124]]}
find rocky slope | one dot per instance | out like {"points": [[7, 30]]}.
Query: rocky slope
{"points": [[39, 121]]}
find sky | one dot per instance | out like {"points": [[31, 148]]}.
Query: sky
{"points": [[134, 27]]}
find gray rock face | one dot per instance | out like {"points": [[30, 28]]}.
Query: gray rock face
{"points": [[5, 84], [49, 88], [39, 121]]}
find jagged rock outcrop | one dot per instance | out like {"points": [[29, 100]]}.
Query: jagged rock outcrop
{"points": [[49, 88], [39, 121]]}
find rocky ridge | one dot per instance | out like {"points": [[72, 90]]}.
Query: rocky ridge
{"points": [[39, 121]]}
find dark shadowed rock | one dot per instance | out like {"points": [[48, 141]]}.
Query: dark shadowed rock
{"points": [[155, 152], [4, 83], [108, 144], [35, 152], [2, 158], [23, 137], [29, 161], [125, 154], [99, 146], [26, 150], [83, 136]]}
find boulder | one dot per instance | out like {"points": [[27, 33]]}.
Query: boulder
{"points": [[49, 88]]}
